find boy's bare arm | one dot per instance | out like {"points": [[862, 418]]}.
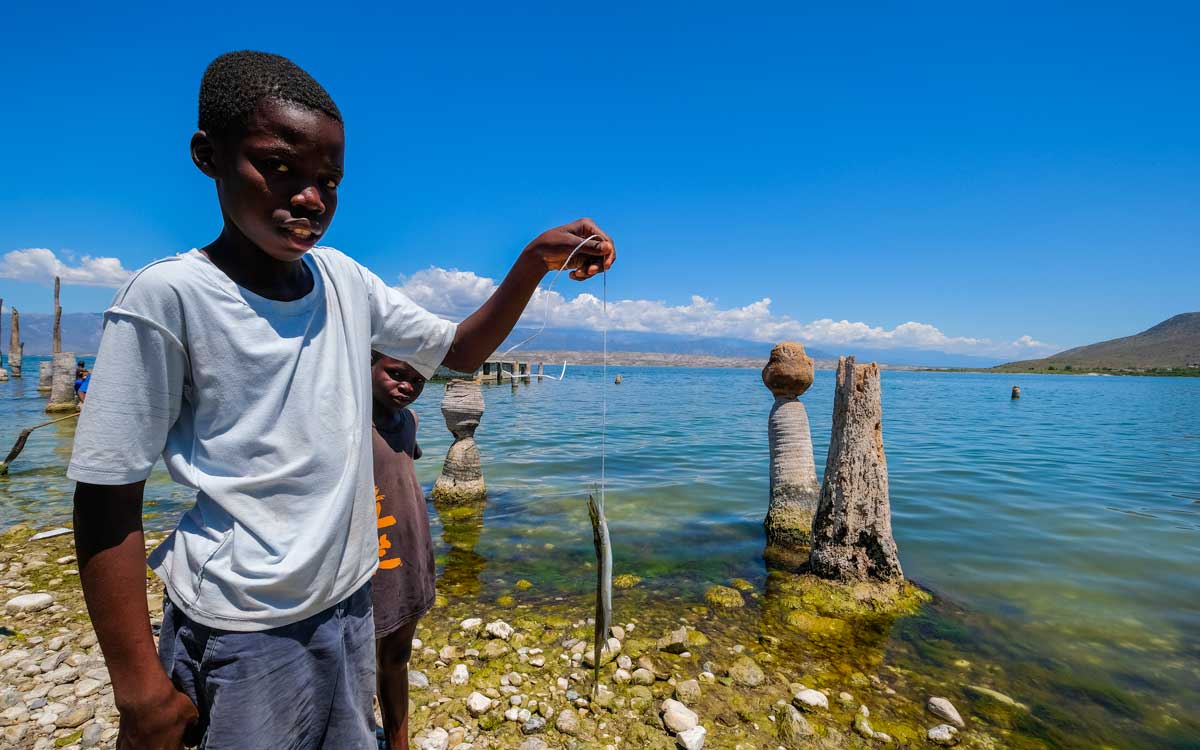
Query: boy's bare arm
{"points": [[112, 569], [479, 335]]}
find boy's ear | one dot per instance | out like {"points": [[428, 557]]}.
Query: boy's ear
{"points": [[203, 153]]}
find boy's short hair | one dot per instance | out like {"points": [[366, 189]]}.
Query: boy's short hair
{"points": [[236, 82]]}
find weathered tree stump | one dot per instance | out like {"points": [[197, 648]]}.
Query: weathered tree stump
{"points": [[794, 488], [1016, 392], [15, 347], [461, 481], [852, 533], [62, 390]]}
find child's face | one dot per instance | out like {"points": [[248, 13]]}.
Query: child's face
{"points": [[277, 181], [395, 384]]}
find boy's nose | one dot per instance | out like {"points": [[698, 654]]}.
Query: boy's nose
{"points": [[309, 198]]}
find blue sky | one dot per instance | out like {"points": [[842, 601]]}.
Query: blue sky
{"points": [[987, 173]]}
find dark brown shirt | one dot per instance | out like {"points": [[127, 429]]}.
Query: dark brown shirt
{"points": [[404, 586]]}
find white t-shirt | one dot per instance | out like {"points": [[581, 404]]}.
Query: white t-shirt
{"points": [[264, 407]]}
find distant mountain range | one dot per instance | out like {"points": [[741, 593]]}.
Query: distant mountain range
{"points": [[81, 334], [1173, 343]]}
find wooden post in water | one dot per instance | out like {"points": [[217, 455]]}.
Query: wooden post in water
{"points": [[852, 532], [516, 368], [57, 345], [3, 372], [45, 370], [541, 371], [14, 343], [62, 389]]}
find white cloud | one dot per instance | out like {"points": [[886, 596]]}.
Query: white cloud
{"points": [[40, 265], [455, 294]]}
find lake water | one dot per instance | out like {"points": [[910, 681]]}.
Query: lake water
{"points": [[1060, 534]]}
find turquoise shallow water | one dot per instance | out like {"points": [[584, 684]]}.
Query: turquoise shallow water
{"points": [[1060, 533]]}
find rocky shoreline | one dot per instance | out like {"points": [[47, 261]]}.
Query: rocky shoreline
{"points": [[517, 674]]}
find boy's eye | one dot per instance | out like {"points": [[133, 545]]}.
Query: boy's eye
{"points": [[331, 184], [277, 166]]}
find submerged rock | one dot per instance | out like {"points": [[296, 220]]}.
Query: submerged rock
{"points": [[626, 581], [688, 692], [794, 730], [943, 734], [994, 695], [944, 709], [746, 672], [723, 596], [478, 704], [808, 699], [678, 717]]}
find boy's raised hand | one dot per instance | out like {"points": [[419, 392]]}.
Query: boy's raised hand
{"points": [[553, 246]]}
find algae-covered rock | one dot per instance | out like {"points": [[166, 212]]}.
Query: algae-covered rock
{"points": [[741, 584], [626, 581], [746, 672], [524, 584], [723, 596]]}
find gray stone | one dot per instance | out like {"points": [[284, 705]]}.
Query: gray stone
{"points": [[87, 686], [471, 625], [943, 734], [794, 729], [29, 603], [478, 704], [91, 735], [533, 725], [534, 743], [459, 675], [852, 532], [746, 672], [499, 629], [944, 709], [643, 676], [692, 739], [76, 716], [417, 679], [688, 692], [678, 717], [432, 738], [567, 722], [810, 700], [608, 653], [674, 642]]}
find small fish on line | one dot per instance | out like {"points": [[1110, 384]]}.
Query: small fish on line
{"points": [[603, 583]]}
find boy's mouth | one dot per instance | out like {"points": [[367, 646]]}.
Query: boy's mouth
{"points": [[301, 229]]}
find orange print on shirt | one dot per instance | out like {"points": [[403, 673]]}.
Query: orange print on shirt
{"points": [[384, 545]]}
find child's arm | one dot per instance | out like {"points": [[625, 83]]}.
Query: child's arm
{"points": [[480, 334], [112, 569]]}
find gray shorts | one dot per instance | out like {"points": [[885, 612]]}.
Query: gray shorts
{"points": [[305, 686]]}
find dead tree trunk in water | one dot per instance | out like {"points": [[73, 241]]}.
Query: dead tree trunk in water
{"points": [[57, 320], [62, 389], [852, 532], [14, 344]]}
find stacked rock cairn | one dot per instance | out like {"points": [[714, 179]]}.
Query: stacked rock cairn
{"points": [[461, 480], [794, 488]]}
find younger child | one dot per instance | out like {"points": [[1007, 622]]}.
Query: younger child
{"points": [[403, 588]]}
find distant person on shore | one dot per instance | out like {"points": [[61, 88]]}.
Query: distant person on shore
{"points": [[404, 586], [244, 364], [82, 389], [81, 373]]}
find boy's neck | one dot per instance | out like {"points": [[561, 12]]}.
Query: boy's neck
{"points": [[383, 415], [249, 267]]}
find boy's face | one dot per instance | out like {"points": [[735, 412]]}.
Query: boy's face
{"points": [[395, 384], [277, 179]]}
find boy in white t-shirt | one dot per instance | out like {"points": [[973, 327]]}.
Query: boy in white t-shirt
{"points": [[245, 365]]}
